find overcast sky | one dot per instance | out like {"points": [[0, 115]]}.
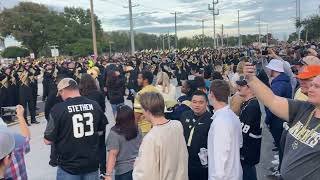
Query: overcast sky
{"points": [[153, 16]]}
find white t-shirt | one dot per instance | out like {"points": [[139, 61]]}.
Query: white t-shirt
{"points": [[224, 143]]}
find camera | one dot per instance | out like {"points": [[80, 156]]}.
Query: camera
{"points": [[8, 111]]}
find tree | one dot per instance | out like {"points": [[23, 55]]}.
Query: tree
{"points": [[311, 25], [27, 23], [38, 28], [14, 52]]}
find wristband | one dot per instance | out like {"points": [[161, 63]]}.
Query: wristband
{"points": [[108, 174]]}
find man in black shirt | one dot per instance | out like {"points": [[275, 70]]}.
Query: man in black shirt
{"points": [[250, 117], [74, 128], [196, 124]]}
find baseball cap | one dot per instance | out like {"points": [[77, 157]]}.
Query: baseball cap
{"points": [[309, 72], [242, 81], [7, 142], [275, 65], [66, 82], [2, 123]]}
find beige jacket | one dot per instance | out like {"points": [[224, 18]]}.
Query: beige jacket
{"points": [[163, 154]]}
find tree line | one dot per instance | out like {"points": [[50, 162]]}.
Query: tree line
{"points": [[38, 28]]}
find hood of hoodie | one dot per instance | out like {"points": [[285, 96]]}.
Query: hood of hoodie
{"points": [[281, 78]]}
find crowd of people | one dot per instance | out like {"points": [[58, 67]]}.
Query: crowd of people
{"points": [[211, 129]]}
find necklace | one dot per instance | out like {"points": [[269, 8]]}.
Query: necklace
{"points": [[304, 129]]}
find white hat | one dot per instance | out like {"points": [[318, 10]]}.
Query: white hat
{"points": [[7, 142], [275, 65], [2, 123]]}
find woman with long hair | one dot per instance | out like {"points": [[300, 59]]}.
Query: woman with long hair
{"points": [[123, 144], [166, 89], [89, 89], [116, 89]]}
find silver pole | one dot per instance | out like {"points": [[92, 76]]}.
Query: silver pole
{"points": [[131, 28]]}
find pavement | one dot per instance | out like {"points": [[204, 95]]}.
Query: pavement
{"points": [[38, 158]]}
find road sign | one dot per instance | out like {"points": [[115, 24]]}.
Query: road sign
{"points": [[54, 52]]}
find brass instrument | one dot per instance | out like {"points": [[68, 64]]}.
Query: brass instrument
{"points": [[24, 78], [179, 66], [13, 79], [4, 83]]}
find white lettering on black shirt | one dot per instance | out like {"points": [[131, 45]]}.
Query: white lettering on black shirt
{"points": [[80, 108]]}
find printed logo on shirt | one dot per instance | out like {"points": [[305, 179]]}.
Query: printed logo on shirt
{"points": [[305, 136]]}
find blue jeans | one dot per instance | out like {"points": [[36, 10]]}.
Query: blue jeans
{"points": [[249, 172], [63, 175], [114, 108], [125, 176]]}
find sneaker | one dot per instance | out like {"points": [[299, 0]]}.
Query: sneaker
{"points": [[35, 122], [276, 157], [102, 176], [275, 175], [275, 162], [273, 169]]}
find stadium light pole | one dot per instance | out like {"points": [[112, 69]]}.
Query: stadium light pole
{"points": [[93, 28]]}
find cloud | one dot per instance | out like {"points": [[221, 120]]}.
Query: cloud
{"points": [[153, 16]]}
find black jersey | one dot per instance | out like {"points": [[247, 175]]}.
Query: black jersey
{"points": [[74, 128], [250, 117], [195, 130]]}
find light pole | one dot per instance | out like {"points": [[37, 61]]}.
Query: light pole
{"points": [[175, 28], [93, 27], [214, 14], [131, 28], [110, 48], [203, 36], [239, 36]]}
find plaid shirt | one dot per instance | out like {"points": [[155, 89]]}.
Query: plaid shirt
{"points": [[17, 169]]}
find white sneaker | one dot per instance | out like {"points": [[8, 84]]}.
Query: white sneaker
{"points": [[276, 157], [275, 162]]}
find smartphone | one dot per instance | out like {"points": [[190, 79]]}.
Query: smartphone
{"points": [[264, 52], [252, 61]]}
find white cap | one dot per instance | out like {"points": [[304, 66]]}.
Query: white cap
{"points": [[276, 65], [2, 123], [7, 142]]}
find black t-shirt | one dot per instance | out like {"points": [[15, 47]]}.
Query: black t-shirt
{"points": [[195, 130], [250, 117], [74, 128]]}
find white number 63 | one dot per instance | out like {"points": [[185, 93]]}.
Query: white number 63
{"points": [[78, 125]]}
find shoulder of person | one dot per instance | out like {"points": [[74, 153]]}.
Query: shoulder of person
{"points": [[301, 105], [225, 119], [187, 114], [208, 115], [59, 107], [176, 123]]}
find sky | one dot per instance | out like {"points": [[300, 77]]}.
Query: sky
{"points": [[154, 16]]}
